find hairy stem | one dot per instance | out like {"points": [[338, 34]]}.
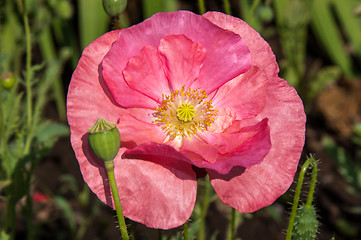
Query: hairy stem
{"points": [[109, 166], [296, 199]]}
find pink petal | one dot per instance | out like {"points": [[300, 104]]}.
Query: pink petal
{"points": [[248, 190], [182, 58], [245, 147], [216, 70], [159, 195], [157, 152], [261, 53], [88, 96], [245, 94], [144, 73], [156, 195], [134, 131]]}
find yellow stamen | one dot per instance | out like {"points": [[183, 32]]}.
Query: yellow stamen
{"points": [[183, 113]]}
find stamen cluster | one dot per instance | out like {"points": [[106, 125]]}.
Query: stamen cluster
{"points": [[183, 113]]}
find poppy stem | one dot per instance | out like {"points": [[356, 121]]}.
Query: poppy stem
{"points": [[109, 166], [233, 223], [296, 199], [202, 226], [201, 6], [185, 230], [227, 7]]}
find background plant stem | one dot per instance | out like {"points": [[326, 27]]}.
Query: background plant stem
{"points": [[28, 71], [202, 224]]}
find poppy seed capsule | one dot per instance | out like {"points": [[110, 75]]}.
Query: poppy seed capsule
{"points": [[114, 7], [7, 80], [104, 139]]}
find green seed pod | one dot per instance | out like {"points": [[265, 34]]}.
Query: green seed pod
{"points": [[7, 80], [104, 140], [114, 7], [306, 224], [64, 9], [265, 13]]}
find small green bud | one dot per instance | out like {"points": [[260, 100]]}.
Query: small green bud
{"points": [[64, 9], [114, 7], [265, 13], [104, 139], [7, 80], [306, 224]]}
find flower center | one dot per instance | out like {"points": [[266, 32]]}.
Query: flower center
{"points": [[183, 113]]}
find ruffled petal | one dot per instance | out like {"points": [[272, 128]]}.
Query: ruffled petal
{"points": [[134, 131], [182, 59], [159, 195], [244, 94], [216, 70], [144, 73], [89, 98], [261, 53], [248, 190], [238, 146], [112, 70]]}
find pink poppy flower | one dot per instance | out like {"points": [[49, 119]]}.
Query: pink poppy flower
{"points": [[191, 95]]}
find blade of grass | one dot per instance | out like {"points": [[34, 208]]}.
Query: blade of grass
{"points": [[326, 31], [349, 22], [93, 21]]}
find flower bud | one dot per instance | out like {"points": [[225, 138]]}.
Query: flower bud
{"points": [[104, 139], [265, 13], [7, 80], [306, 223], [114, 7]]}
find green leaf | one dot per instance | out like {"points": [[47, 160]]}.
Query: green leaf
{"points": [[326, 30], [324, 77], [50, 132], [350, 23], [346, 166], [4, 235], [4, 184], [65, 207]]}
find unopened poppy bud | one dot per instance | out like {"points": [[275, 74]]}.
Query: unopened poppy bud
{"points": [[265, 13], [64, 9], [7, 80], [114, 7], [104, 139], [306, 223]]}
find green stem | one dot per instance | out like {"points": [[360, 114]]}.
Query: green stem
{"points": [[185, 230], [201, 6], [28, 71], [227, 7], [160, 234], [250, 16], [109, 166], [4, 138], [233, 223], [296, 199], [47, 47], [202, 226]]}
